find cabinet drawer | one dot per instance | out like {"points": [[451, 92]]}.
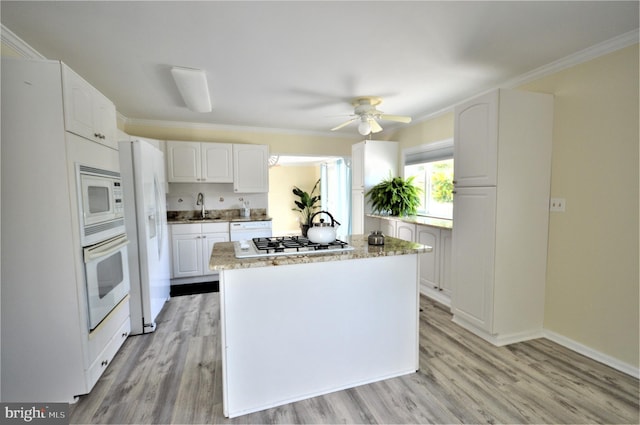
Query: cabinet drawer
{"points": [[101, 336], [215, 227], [104, 358], [186, 229]]}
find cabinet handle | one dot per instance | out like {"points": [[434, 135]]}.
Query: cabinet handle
{"points": [[96, 135], [125, 334], [455, 182], [453, 191], [104, 362]]}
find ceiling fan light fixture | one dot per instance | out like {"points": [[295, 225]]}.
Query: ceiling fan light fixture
{"points": [[364, 127], [193, 87]]}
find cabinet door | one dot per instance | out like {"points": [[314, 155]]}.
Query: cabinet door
{"points": [[187, 255], [208, 241], [445, 261], [429, 261], [78, 107], [357, 166], [184, 162], [473, 253], [217, 162], [475, 148], [250, 168], [87, 112], [357, 212], [388, 227], [104, 120], [405, 231]]}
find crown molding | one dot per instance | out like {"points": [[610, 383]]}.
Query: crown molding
{"points": [[582, 56], [227, 127], [8, 38]]}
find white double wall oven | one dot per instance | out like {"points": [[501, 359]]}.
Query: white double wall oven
{"points": [[104, 240]]}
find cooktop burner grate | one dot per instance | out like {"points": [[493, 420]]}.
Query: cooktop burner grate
{"points": [[294, 244]]}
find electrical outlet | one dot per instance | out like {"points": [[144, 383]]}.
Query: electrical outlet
{"points": [[557, 204]]}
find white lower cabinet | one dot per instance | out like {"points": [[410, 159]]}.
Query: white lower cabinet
{"points": [[405, 231], [398, 229], [435, 266], [192, 245], [474, 255]]}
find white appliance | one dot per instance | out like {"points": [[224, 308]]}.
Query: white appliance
{"points": [[286, 246], [100, 204], [107, 274], [142, 168], [246, 230]]}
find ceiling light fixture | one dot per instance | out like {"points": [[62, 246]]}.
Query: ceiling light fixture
{"points": [[364, 127], [192, 84]]}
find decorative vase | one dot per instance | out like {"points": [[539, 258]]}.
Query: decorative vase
{"points": [[305, 229]]}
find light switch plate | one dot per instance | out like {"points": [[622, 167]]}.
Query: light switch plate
{"points": [[557, 205]]}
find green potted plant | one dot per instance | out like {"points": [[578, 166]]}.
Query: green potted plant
{"points": [[395, 196], [306, 204]]}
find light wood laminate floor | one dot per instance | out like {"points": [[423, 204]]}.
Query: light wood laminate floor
{"points": [[173, 376]]}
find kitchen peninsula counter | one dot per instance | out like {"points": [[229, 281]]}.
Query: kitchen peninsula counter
{"points": [[223, 255], [295, 327]]}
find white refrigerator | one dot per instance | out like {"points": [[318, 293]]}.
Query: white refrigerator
{"points": [[143, 180]]}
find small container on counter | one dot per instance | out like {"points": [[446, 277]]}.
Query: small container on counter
{"points": [[376, 238]]}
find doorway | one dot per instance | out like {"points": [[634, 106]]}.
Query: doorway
{"points": [[287, 171]]}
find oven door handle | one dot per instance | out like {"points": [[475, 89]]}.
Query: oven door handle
{"points": [[105, 248]]}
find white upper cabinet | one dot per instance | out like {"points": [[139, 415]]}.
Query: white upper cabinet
{"points": [[87, 112], [476, 141], [184, 163], [217, 162], [250, 168], [196, 162]]}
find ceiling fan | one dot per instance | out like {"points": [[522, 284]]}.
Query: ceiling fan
{"points": [[366, 113]]}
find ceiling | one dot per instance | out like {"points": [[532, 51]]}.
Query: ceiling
{"points": [[296, 65]]}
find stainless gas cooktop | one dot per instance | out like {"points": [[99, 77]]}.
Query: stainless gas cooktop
{"points": [[286, 245]]}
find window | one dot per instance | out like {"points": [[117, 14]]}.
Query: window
{"points": [[431, 166]]}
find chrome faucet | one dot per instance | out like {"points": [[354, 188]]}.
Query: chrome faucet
{"points": [[200, 201]]}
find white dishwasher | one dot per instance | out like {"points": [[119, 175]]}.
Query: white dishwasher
{"points": [[247, 230]]}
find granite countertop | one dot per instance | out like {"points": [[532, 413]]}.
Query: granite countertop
{"points": [[217, 219], [417, 219], [215, 216], [223, 254]]}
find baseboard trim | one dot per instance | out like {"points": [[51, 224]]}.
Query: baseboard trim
{"points": [[498, 340], [592, 354]]}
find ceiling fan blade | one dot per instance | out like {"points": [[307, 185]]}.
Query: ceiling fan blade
{"points": [[375, 127], [398, 118], [344, 124]]}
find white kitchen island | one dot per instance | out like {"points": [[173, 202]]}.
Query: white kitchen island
{"points": [[296, 327]]}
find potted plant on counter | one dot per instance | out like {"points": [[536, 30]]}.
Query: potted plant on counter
{"points": [[395, 196], [306, 205]]}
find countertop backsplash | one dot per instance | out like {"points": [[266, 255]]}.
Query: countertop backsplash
{"points": [[217, 196]]}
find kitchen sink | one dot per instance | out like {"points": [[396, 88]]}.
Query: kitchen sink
{"points": [[205, 219]]}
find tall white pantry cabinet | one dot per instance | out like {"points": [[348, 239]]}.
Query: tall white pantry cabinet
{"points": [[48, 352], [371, 162], [502, 160]]}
